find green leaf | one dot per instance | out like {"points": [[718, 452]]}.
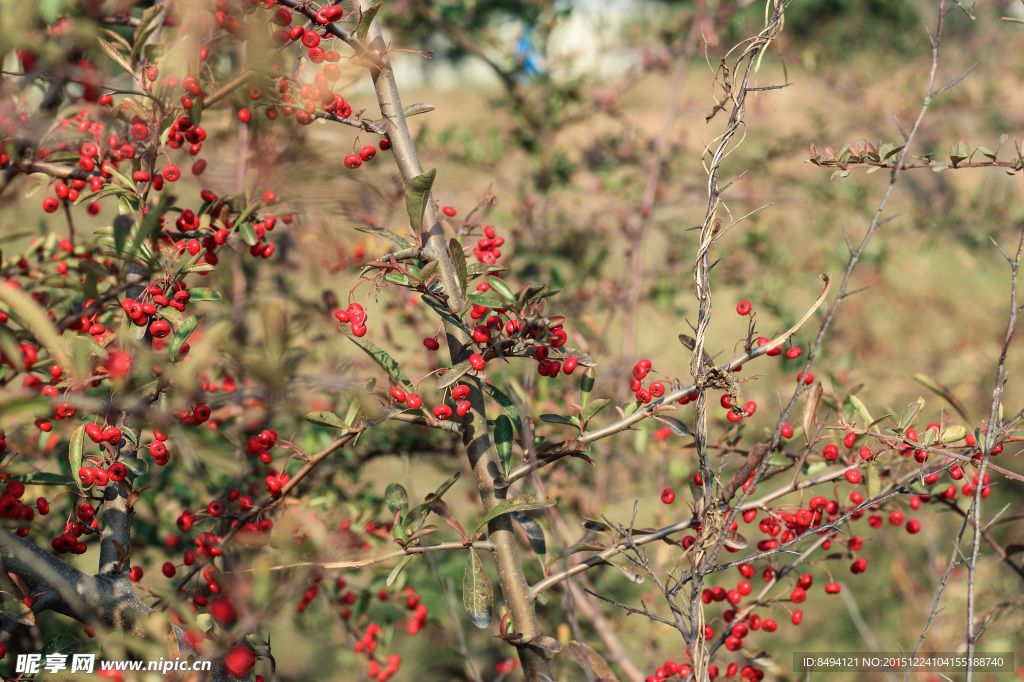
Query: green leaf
{"points": [[398, 240], [557, 419], [528, 502], [399, 278], [861, 408], [586, 387], [506, 404], [477, 593], [909, 414], [44, 478], [75, 451], [386, 362], [453, 374], [328, 419], [985, 151], [943, 391], [954, 433], [417, 194], [116, 56], [203, 294], [594, 407], [874, 480], [444, 487], [138, 467], [396, 498], [459, 261], [501, 288], [487, 301], [677, 427], [958, 152], [63, 645], [186, 327], [399, 568], [534, 532], [503, 442], [17, 612], [365, 19], [248, 234]]}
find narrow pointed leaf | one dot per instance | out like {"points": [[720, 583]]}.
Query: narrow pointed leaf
{"points": [[417, 193], [116, 56], [453, 374], [909, 414], [406, 560], [380, 356], [501, 288], [874, 480], [506, 404], [534, 532], [75, 452], [328, 419], [503, 435], [677, 427], [487, 301], [396, 239], [477, 593], [594, 407], [186, 327], [459, 261], [438, 506], [528, 502], [365, 19]]}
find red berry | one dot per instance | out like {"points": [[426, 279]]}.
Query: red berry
{"points": [[850, 439], [798, 616], [476, 361], [240, 661], [50, 204], [787, 431], [367, 152], [743, 307], [832, 588], [830, 452], [353, 161], [853, 476], [244, 115], [463, 408], [448, 211], [668, 496], [569, 365], [168, 569], [443, 412], [431, 344], [398, 394], [460, 392], [414, 401], [793, 353]]}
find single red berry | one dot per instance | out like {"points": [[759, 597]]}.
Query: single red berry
{"points": [[398, 394], [853, 476], [367, 152], [117, 472], [798, 616], [896, 518], [50, 204], [830, 452], [353, 161], [569, 365], [160, 328], [668, 496], [913, 526], [865, 453], [657, 389], [310, 38], [832, 588], [168, 569], [793, 353], [431, 344], [787, 431], [850, 439], [448, 211], [463, 408], [743, 308], [385, 144], [244, 115], [414, 401], [171, 172], [135, 574], [443, 412], [482, 334], [750, 408], [476, 361], [240, 661], [460, 392], [725, 401]]}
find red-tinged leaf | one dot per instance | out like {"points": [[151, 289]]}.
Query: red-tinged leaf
{"points": [[438, 506]]}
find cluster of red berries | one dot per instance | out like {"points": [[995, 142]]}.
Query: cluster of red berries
{"points": [[488, 247], [11, 506], [355, 315], [655, 389]]}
